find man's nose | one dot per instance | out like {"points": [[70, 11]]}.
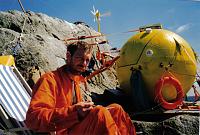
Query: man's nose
{"points": [[85, 63]]}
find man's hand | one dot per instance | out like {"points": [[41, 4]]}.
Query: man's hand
{"points": [[83, 108]]}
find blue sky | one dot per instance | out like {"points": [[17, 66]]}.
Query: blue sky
{"points": [[179, 16]]}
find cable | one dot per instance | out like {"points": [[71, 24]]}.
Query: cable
{"points": [[182, 73], [157, 107], [21, 6]]}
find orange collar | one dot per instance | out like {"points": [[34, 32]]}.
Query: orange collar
{"points": [[76, 78]]}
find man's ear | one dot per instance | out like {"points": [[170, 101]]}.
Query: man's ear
{"points": [[68, 56]]}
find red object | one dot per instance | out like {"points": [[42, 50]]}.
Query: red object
{"points": [[98, 55], [196, 93], [159, 98], [107, 65], [83, 37]]}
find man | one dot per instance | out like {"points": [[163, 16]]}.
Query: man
{"points": [[56, 104]]}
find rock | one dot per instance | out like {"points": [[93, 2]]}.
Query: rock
{"points": [[177, 125], [39, 46]]}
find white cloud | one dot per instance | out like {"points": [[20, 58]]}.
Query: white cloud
{"points": [[172, 10], [183, 28], [196, 0]]}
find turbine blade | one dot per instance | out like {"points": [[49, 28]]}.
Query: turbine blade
{"points": [[93, 8], [106, 14], [92, 12]]}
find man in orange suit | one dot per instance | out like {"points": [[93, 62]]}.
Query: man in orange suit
{"points": [[57, 106]]}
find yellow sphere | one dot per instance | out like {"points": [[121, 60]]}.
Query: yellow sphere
{"points": [[157, 53]]}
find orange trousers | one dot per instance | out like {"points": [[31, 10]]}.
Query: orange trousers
{"points": [[110, 120]]}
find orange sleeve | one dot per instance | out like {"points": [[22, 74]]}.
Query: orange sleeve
{"points": [[42, 114]]}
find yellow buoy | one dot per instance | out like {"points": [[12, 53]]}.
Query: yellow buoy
{"points": [[157, 53]]}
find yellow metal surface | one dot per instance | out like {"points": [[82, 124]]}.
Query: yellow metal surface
{"points": [[157, 53], [7, 60]]}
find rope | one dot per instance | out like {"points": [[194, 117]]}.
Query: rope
{"points": [[26, 16], [20, 36], [21, 6], [157, 107], [19, 39], [20, 3], [182, 73], [100, 35], [190, 57], [2, 126], [170, 74]]}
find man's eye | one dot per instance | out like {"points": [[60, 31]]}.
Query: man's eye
{"points": [[79, 58]]}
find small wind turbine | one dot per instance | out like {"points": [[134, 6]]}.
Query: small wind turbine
{"points": [[97, 16]]}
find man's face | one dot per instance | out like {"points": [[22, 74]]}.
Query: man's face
{"points": [[79, 61]]}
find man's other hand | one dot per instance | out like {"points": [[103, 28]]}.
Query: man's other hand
{"points": [[83, 108]]}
